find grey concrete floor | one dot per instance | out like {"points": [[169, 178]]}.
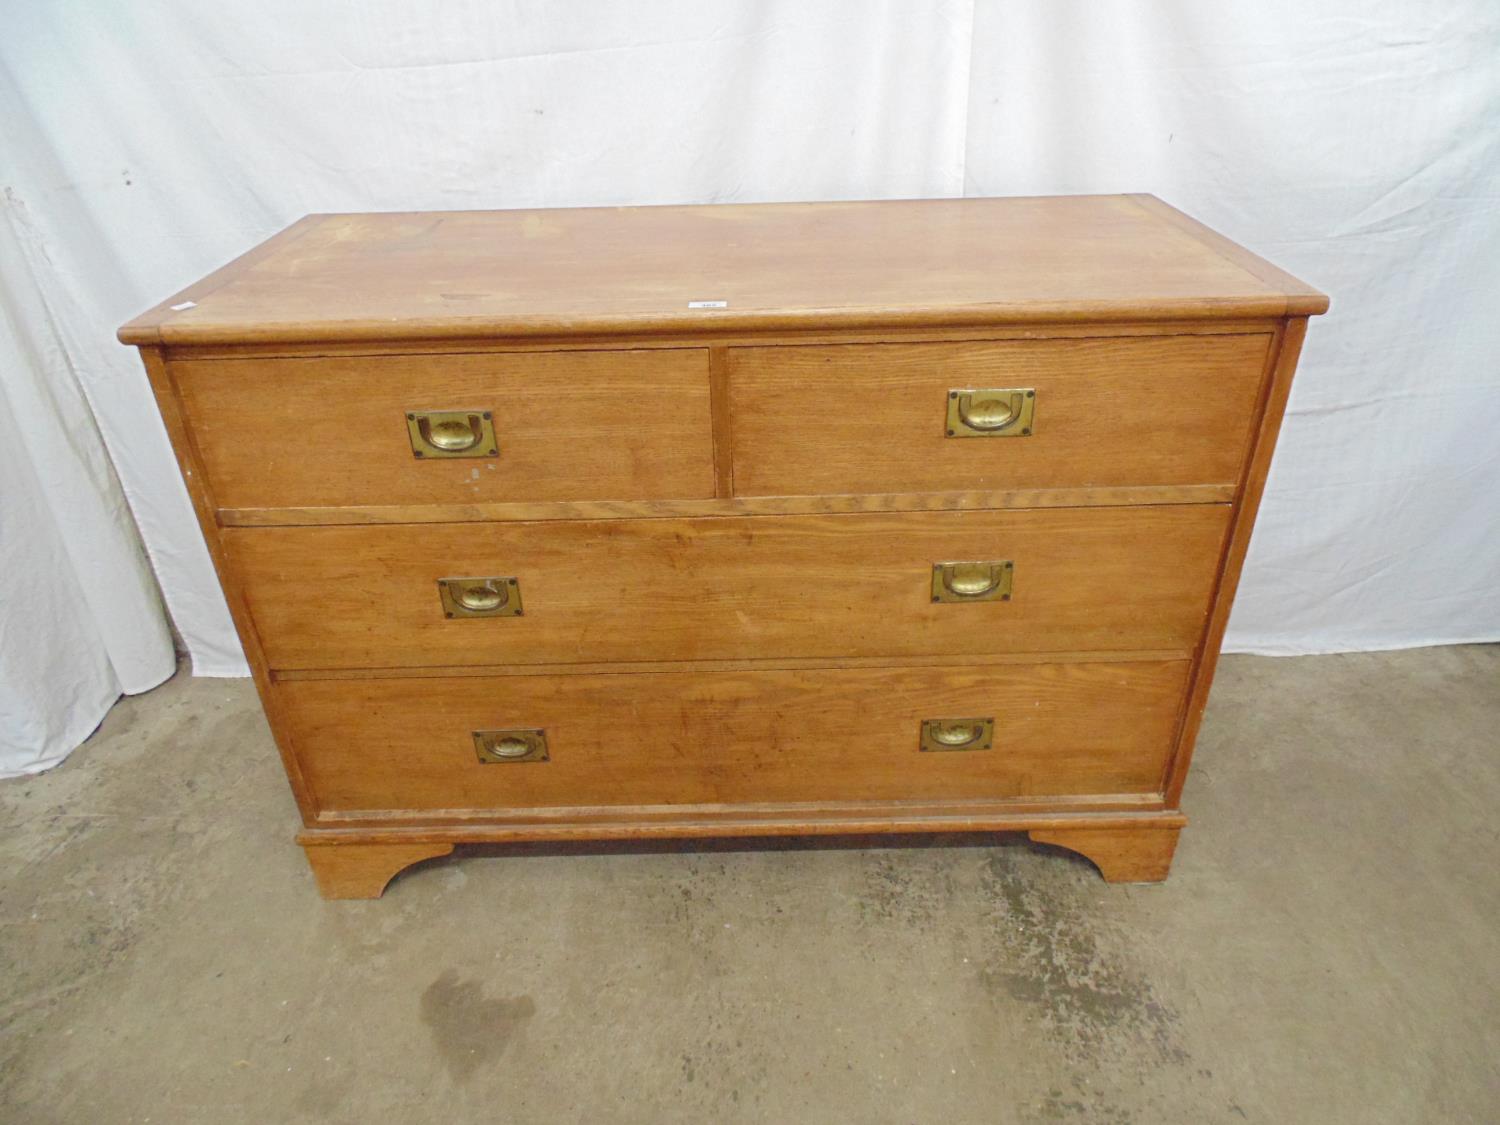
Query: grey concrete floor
{"points": [[1327, 949]]}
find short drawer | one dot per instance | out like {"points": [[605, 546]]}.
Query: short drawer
{"points": [[287, 433], [725, 588], [1101, 413], [734, 737]]}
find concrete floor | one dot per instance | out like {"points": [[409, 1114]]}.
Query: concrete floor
{"points": [[1327, 949]]}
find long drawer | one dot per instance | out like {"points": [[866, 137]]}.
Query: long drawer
{"points": [[1088, 412], [451, 429], [726, 588], [733, 737]]}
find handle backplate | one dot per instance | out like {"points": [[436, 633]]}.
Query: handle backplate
{"points": [[991, 412], [480, 597], [451, 433], [506, 747], [984, 581], [943, 735]]}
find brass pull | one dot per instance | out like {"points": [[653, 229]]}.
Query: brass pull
{"points": [[480, 597], [973, 581], [452, 433], [992, 412], [450, 437], [502, 747], [957, 734]]}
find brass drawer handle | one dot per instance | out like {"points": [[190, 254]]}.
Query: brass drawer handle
{"points": [[957, 734], [502, 747], [992, 412], [973, 581], [452, 433], [480, 597]]}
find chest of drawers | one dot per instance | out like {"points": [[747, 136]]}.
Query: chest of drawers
{"points": [[750, 520]]}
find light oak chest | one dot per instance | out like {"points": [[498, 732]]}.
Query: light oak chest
{"points": [[710, 521]]}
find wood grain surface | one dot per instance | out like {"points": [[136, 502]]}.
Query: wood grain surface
{"points": [[441, 275], [736, 737], [766, 586], [733, 506], [1109, 413], [1138, 854], [621, 425], [363, 871]]}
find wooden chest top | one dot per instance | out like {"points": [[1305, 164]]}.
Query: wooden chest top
{"points": [[688, 270]]}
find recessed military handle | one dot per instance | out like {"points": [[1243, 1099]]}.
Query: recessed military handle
{"points": [[505, 746], [451, 436], [480, 597], [957, 734], [452, 433], [992, 412], [984, 581]]}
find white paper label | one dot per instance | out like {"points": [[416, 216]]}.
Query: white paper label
{"points": [[708, 304], [184, 305]]}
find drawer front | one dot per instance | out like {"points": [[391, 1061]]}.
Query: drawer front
{"points": [[745, 587], [734, 737], [1107, 412], [567, 426]]}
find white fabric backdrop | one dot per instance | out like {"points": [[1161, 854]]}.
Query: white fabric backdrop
{"points": [[80, 618], [1356, 144]]}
